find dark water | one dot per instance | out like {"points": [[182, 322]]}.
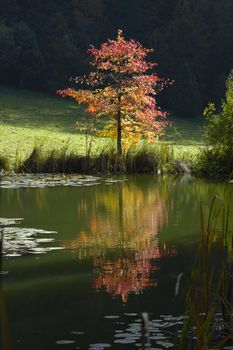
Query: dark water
{"points": [[120, 248]]}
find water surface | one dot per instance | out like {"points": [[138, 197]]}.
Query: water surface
{"points": [[102, 252]]}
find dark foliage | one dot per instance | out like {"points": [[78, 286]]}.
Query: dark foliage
{"points": [[43, 43], [3, 163], [106, 162], [218, 158]]}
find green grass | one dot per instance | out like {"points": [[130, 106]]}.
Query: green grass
{"points": [[186, 132], [28, 119]]}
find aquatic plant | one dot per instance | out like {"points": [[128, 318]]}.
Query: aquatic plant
{"points": [[208, 319], [6, 341]]}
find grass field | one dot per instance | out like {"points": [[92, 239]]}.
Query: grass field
{"points": [[29, 118]]}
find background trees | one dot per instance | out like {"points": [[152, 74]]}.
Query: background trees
{"points": [[9, 52], [192, 41], [30, 63]]}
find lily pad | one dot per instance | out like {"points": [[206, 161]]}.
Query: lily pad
{"points": [[10, 221], [99, 346], [18, 241], [125, 341], [65, 342]]}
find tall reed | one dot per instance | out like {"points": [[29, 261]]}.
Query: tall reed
{"points": [[139, 160], [4, 164], [6, 341], [209, 293]]}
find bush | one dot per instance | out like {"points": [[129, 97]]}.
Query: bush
{"points": [[219, 128], [218, 132]]}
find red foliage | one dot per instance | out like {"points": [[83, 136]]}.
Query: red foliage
{"points": [[120, 88]]}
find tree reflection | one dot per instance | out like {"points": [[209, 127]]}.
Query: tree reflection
{"points": [[121, 237], [124, 276]]}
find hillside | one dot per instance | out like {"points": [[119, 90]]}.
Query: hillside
{"points": [[43, 43], [28, 119]]}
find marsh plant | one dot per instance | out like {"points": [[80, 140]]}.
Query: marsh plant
{"points": [[142, 159], [208, 323], [4, 164], [5, 342]]}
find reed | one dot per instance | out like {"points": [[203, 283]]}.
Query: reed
{"points": [[209, 292], [4, 164], [1, 251], [6, 341], [159, 159]]}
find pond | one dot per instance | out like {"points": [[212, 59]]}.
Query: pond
{"points": [[88, 255]]}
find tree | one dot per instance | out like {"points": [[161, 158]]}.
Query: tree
{"points": [[60, 52], [30, 63], [184, 97], [8, 48], [219, 127], [10, 10], [218, 159], [119, 88]]}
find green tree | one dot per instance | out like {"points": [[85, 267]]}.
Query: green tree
{"points": [[62, 56], [30, 63], [218, 158], [8, 49], [10, 10], [219, 127], [184, 96]]}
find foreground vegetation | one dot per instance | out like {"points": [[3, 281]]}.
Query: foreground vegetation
{"points": [[208, 323]]}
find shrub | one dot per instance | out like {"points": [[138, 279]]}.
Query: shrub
{"points": [[218, 132]]}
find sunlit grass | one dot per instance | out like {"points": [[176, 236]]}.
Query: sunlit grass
{"points": [[29, 119]]}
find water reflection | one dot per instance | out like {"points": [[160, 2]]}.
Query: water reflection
{"points": [[121, 237], [123, 276], [125, 238]]}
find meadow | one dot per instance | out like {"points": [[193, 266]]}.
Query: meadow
{"points": [[29, 119]]}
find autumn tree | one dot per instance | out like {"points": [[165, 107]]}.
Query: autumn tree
{"points": [[119, 88]]}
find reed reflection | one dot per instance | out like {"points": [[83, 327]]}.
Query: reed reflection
{"points": [[121, 237]]}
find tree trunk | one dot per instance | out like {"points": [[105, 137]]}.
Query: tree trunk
{"points": [[119, 147]]}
